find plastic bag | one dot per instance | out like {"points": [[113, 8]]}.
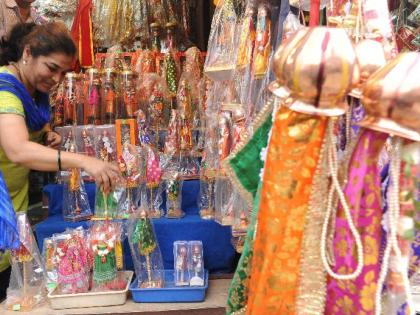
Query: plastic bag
{"points": [[241, 215], [27, 285], [108, 96], [49, 252], [224, 193], [145, 251], [206, 202], [73, 262], [182, 272], [222, 48], [75, 200], [93, 96], [104, 235], [128, 100], [196, 263], [174, 198], [73, 103]]}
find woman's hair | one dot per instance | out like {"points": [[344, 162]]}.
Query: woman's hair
{"points": [[42, 40]]}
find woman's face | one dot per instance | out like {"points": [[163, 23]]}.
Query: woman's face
{"points": [[44, 72]]}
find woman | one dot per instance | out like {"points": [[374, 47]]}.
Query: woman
{"points": [[33, 60]]}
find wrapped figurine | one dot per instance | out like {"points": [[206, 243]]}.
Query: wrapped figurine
{"points": [[73, 107], [104, 235], [144, 133], [153, 179], [173, 198], [73, 263], [221, 55], [224, 196], [172, 140], [262, 49], [93, 97], [75, 200], [146, 63], [26, 286], [247, 37], [145, 251], [156, 42], [58, 109], [225, 134], [196, 263], [241, 215], [171, 72], [207, 198], [85, 140], [182, 274], [128, 105], [105, 145], [67, 138], [108, 96], [49, 254]]}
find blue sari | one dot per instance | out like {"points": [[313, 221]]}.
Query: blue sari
{"points": [[37, 114]]}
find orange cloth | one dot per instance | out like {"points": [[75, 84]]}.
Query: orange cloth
{"points": [[293, 153]]}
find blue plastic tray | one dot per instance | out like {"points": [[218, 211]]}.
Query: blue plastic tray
{"points": [[170, 293]]}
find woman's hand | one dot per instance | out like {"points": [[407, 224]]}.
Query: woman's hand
{"points": [[52, 139], [105, 174]]}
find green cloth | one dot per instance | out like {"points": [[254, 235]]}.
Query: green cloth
{"points": [[246, 165], [105, 268], [15, 176], [144, 236]]}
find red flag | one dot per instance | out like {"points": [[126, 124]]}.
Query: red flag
{"points": [[314, 13]]}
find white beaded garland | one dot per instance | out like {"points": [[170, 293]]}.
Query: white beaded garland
{"points": [[392, 239], [335, 187]]}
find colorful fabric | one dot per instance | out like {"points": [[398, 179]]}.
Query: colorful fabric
{"points": [[15, 176], [293, 153], [81, 32], [364, 197], [246, 166], [37, 112], [9, 236]]}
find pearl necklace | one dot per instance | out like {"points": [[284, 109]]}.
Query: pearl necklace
{"points": [[392, 238], [335, 187]]}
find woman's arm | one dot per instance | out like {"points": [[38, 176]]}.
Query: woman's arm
{"points": [[14, 140]]}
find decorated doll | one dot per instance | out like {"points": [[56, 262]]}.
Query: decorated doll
{"points": [[181, 265], [262, 47], [88, 148], [93, 97], [73, 266]]}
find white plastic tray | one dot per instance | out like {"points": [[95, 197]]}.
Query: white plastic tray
{"points": [[90, 299]]}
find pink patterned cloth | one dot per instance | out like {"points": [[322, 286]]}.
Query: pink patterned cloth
{"points": [[363, 195]]}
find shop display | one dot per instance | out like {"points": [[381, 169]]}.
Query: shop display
{"points": [[303, 141], [26, 286]]}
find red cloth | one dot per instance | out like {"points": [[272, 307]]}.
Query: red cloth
{"points": [[81, 32], [314, 13]]}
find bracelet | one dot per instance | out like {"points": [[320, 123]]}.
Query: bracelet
{"points": [[59, 160]]}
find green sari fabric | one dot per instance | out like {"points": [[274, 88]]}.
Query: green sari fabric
{"points": [[245, 167]]}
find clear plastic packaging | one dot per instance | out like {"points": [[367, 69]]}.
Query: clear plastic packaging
{"points": [[105, 143], [27, 285], [73, 105], [128, 101], [196, 263], [85, 139], [182, 272], [93, 96], [224, 201], [68, 138], [106, 203], [73, 262], [103, 236], [145, 251], [172, 140], [262, 49], [58, 109], [108, 96], [206, 202], [75, 200], [49, 252], [153, 178], [241, 215], [174, 198], [171, 72], [222, 48]]}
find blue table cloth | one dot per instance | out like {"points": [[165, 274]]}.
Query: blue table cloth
{"points": [[219, 254]]}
